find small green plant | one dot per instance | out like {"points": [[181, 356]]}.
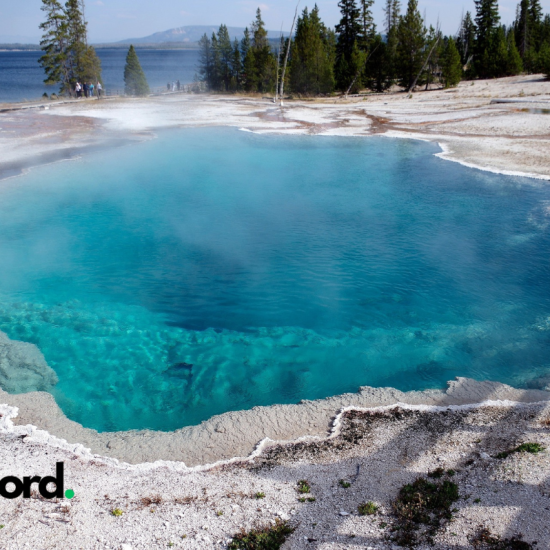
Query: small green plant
{"points": [[367, 509], [170, 544], [184, 536], [344, 484], [451, 473], [117, 512], [2, 526], [311, 499], [383, 525], [303, 486], [477, 500], [532, 448], [219, 513], [271, 537], [423, 504], [259, 495], [302, 499]]}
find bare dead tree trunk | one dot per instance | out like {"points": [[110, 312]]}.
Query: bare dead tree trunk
{"points": [[287, 54], [413, 85], [278, 65]]}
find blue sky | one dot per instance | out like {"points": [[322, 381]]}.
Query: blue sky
{"points": [[112, 20]]}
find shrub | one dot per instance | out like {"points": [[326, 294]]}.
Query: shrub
{"points": [[266, 538]]}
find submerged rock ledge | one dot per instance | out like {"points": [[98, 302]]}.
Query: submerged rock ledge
{"points": [[236, 434], [23, 367]]}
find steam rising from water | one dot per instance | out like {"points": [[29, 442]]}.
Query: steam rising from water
{"points": [[212, 270]]}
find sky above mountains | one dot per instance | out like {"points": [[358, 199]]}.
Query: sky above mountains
{"points": [[113, 20]]}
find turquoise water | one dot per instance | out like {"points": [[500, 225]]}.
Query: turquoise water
{"points": [[212, 270]]}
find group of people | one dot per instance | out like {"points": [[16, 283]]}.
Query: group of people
{"points": [[176, 86], [88, 89]]}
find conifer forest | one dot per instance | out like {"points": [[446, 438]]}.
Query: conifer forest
{"points": [[360, 55]]}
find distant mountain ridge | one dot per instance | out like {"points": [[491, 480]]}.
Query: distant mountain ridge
{"points": [[191, 34]]}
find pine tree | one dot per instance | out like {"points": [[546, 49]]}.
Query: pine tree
{"points": [[544, 58], [514, 65], [452, 65], [433, 56], [54, 45], [77, 40], [236, 66], [260, 63], [466, 39], [311, 70], [206, 60], [225, 49], [368, 27], [488, 42], [378, 70], [349, 33], [392, 12], [134, 77], [411, 36]]}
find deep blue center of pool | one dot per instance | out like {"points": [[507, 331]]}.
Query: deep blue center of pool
{"points": [[211, 270]]}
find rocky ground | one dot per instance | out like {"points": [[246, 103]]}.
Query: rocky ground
{"points": [[468, 122], [314, 487]]}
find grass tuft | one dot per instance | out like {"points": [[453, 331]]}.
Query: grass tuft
{"points": [[344, 484], [533, 448], [367, 508], [271, 537], [303, 486], [117, 512]]}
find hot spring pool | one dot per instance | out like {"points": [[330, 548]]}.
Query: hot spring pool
{"points": [[212, 270]]}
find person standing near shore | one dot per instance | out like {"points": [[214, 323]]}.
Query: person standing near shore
{"points": [[86, 89], [91, 90], [78, 90], [99, 89]]}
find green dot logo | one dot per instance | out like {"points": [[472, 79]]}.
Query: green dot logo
{"points": [[69, 493]]}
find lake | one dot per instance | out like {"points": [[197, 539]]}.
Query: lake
{"points": [[21, 77]]}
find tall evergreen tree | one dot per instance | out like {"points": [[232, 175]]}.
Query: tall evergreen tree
{"points": [[236, 66], [134, 77], [488, 41], [76, 38], [54, 45], [545, 59], [392, 12], [349, 33], [260, 65], [206, 61], [67, 56], [514, 64], [225, 53], [411, 35], [368, 27], [311, 70], [452, 65], [466, 40], [379, 68]]}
